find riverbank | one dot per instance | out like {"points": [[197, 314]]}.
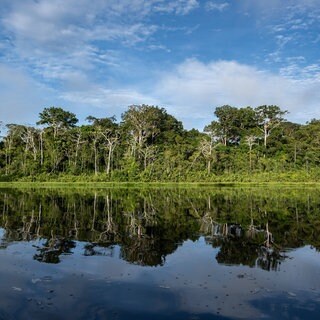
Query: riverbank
{"points": [[298, 177], [140, 185]]}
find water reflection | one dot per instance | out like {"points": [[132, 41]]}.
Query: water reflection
{"points": [[52, 249], [251, 246], [248, 226]]}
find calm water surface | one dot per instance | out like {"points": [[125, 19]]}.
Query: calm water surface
{"points": [[203, 253]]}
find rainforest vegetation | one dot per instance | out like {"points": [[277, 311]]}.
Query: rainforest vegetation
{"points": [[148, 144]]}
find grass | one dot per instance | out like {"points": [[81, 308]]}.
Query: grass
{"points": [[300, 178], [125, 185]]}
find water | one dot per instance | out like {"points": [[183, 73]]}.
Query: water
{"points": [[200, 253]]}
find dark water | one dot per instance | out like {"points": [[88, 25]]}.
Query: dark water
{"points": [[203, 253]]}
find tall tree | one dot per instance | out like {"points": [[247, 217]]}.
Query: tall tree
{"points": [[227, 123], [106, 133], [268, 118], [208, 145], [142, 122], [57, 119], [11, 142], [230, 123], [250, 141]]}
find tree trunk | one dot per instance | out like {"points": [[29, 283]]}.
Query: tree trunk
{"points": [[41, 148], [95, 160], [109, 159]]}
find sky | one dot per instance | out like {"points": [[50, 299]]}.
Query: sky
{"points": [[97, 57]]}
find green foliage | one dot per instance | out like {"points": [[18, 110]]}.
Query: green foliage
{"points": [[241, 144], [57, 118]]}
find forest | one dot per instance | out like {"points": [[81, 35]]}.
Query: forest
{"points": [[148, 144]]}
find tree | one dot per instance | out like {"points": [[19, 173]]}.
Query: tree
{"points": [[246, 120], [250, 141], [10, 143], [226, 127], [268, 118], [57, 118], [232, 123], [292, 143], [142, 122], [207, 146], [112, 139], [308, 142], [106, 133]]}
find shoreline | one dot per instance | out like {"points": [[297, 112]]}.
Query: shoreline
{"points": [[108, 185]]}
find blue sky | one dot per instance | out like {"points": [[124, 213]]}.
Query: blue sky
{"points": [[98, 57]]}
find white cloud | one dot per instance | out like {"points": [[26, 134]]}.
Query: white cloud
{"points": [[107, 101], [283, 40], [181, 7], [193, 89], [214, 6], [59, 39], [22, 98], [295, 72], [271, 7], [293, 25], [63, 26], [190, 91], [56, 21]]}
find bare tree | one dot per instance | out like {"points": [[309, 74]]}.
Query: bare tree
{"points": [[250, 141], [112, 138], [207, 148]]}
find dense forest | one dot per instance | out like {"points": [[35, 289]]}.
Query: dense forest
{"points": [[148, 144]]}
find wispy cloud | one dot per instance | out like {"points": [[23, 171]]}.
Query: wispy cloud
{"points": [[291, 23], [181, 7], [295, 71], [216, 6], [57, 21], [41, 25], [59, 40], [283, 40]]}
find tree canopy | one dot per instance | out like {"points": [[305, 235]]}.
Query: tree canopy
{"points": [[149, 144]]}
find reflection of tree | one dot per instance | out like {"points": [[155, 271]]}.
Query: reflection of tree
{"points": [[145, 242], [52, 249], [270, 259], [145, 251], [91, 249], [253, 247], [136, 222], [149, 224]]}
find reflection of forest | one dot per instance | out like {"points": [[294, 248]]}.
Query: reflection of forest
{"points": [[250, 246], [250, 227]]}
